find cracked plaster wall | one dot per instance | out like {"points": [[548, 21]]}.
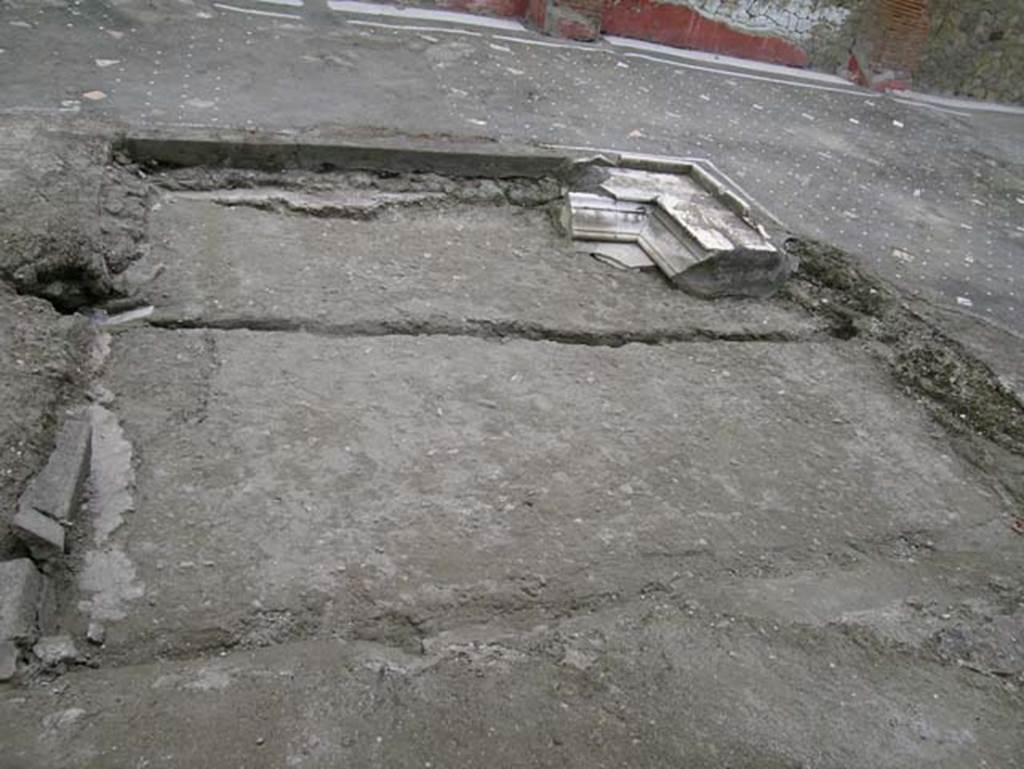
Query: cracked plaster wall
{"points": [[824, 28], [792, 19]]}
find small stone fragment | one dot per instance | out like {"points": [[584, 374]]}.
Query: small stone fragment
{"points": [[55, 649], [96, 634], [43, 536], [742, 272], [8, 660], [62, 719], [21, 590], [57, 489], [94, 95]]}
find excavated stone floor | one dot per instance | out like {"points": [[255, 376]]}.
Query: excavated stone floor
{"points": [[418, 484]]}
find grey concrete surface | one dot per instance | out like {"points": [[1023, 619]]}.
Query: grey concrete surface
{"points": [[339, 485], [930, 196], [614, 683], [479, 268]]}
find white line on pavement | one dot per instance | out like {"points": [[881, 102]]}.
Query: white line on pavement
{"points": [[423, 14], [413, 28], [851, 91], [965, 104], [257, 13], [292, 3], [925, 105], [728, 61], [527, 41]]}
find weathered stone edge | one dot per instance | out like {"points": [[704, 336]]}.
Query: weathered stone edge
{"points": [[49, 501]]}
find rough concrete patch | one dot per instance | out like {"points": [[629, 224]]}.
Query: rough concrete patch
{"points": [[360, 206], [125, 199], [65, 266], [108, 579], [888, 604], [21, 593], [460, 463], [310, 192], [463, 270], [112, 477], [52, 243], [961, 389], [995, 646]]}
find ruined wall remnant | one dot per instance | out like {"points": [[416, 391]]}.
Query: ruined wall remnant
{"points": [[888, 43], [969, 48], [975, 48]]}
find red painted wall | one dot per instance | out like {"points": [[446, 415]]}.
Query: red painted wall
{"points": [[683, 27], [651, 20], [510, 8]]}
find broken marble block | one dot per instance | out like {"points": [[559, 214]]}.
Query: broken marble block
{"points": [[699, 234]]}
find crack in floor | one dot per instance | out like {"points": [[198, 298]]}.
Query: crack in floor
{"points": [[499, 330], [432, 639], [353, 614]]}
